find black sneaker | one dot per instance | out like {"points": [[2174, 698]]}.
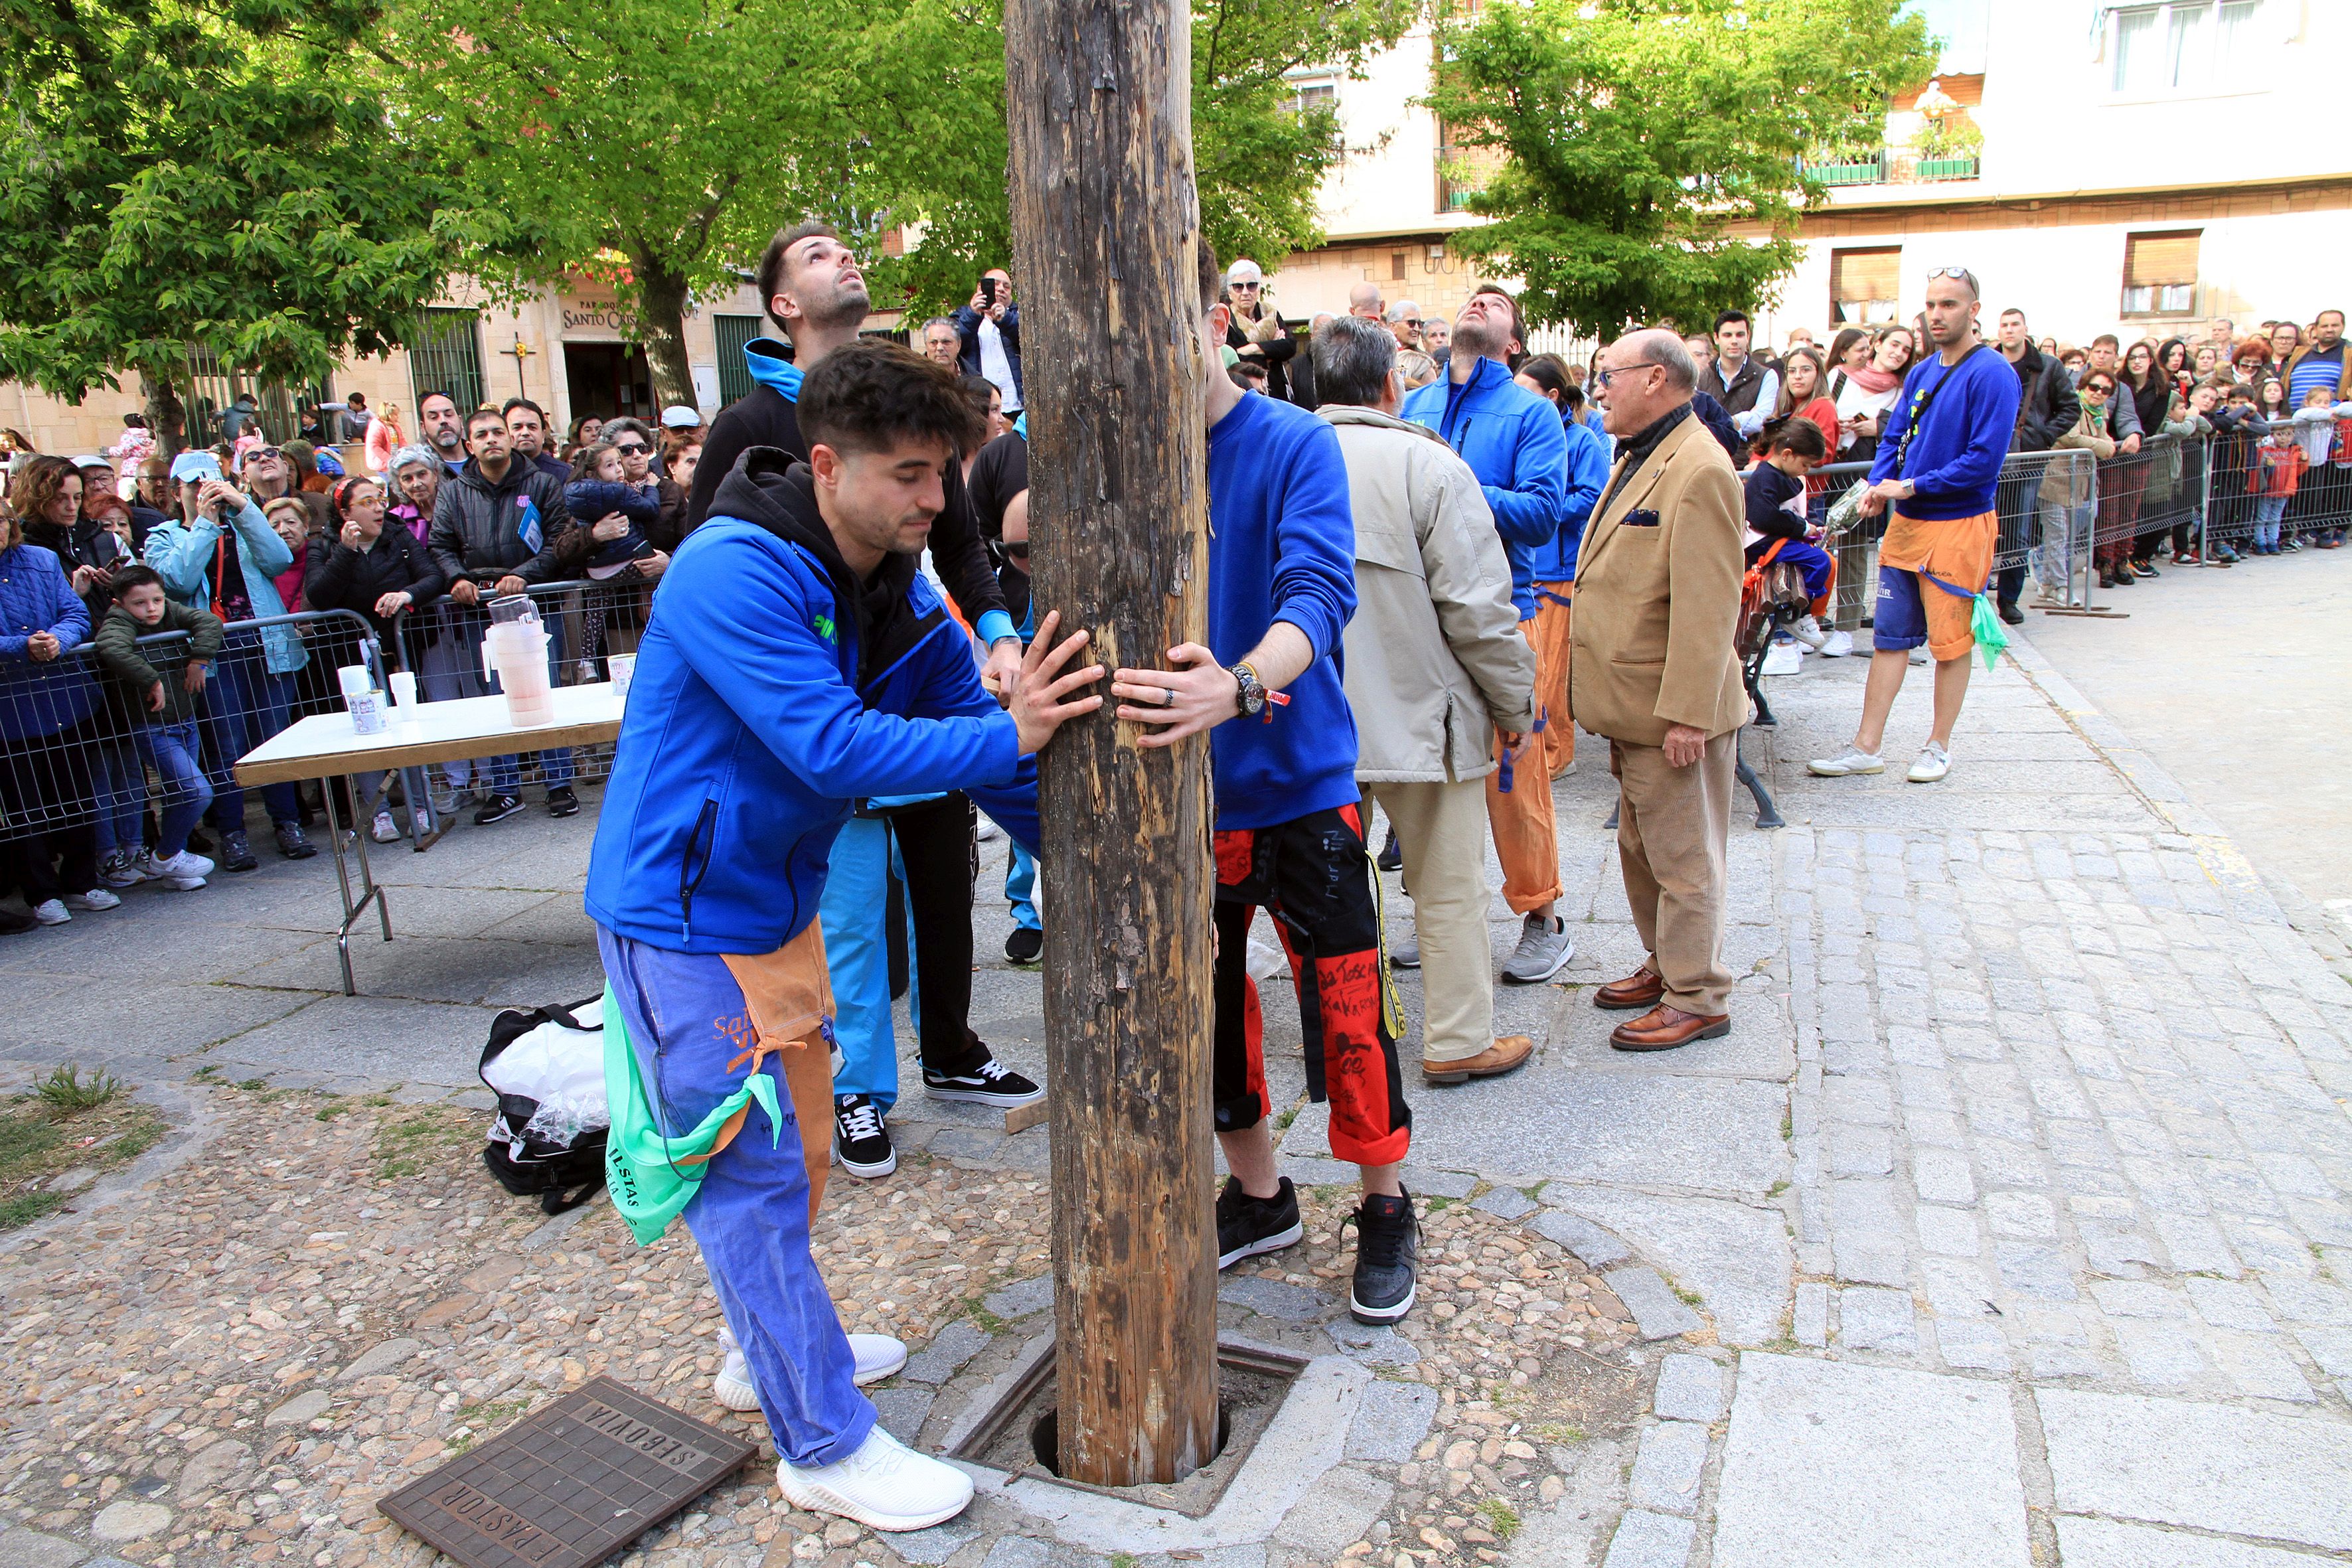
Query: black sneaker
{"points": [[1387, 1237], [497, 808], [1247, 1226], [860, 1140], [562, 801], [293, 843], [1391, 858], [1024, 945], [237, 855], [985, 1081]]}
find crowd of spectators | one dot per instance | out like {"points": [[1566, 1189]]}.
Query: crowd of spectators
{"points": [[147, 597]]}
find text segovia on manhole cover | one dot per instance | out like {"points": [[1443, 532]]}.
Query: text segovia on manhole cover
{"points": [[569, 1484]]}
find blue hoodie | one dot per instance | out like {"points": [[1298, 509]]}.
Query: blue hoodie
{"points": [[1282, 547], [1954, 462], [1513, 441], [771, 691], [1588, 475]]}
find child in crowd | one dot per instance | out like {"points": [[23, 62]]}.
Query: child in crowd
{"points": [[163, 683], [600, 491], [1786, 451], [2278, 469], [2184, 420], [2315, 435], [2236, 429]]}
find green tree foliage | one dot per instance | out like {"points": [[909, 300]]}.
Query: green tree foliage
{"points": [[1654, 148], [174, 174], [658, 145]]}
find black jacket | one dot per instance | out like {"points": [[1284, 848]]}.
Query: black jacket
{"points": [[2049, 406], [477, 526], [1276, 354], [86, 544], [768, 418], [337, 577]]}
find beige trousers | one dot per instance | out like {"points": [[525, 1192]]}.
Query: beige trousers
{"points": [[1439, 828], [1673, 826]]}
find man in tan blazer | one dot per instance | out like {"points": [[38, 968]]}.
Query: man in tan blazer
{"points": [[1652, 668]]}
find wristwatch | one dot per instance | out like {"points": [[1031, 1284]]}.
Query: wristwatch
{"points": [[1249, 691]]}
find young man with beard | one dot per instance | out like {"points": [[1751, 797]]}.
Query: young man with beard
{"points": [[1513, 441], [1289, 831], [796, 663], [813, 288]]}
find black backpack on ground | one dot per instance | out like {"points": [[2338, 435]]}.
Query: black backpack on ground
{"points": [[546, 1065]]}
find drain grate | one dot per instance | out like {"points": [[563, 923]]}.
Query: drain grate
{"points": [[569, 1484]]}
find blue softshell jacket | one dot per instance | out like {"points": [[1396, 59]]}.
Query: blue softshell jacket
{"points": [[1512, 441]]}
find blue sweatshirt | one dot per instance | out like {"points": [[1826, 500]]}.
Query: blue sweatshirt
{"points": [[1282, 547], [1955, 459], [1513, 441], [1588, 475]]}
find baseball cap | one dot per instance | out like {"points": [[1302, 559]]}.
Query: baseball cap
{"points": [[190, 466], [680, 416], [92, 460], [1244, 270]]}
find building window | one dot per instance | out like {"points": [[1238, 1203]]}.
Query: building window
{"points": [[445, 355], [2186, 45], [2160, 273], [1863, 284], [734, 373], [1306, 95]]}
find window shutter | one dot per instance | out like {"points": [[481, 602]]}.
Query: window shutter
{"points": [[2154, 260]]}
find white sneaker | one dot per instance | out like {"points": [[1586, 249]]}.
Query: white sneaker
{"points": [[1782, 659], [1837, 645], [96, 898], [877, 1355], [186, 863], [1809, 632], [884, 1486], [989, 831], [1921, 656], [121, 869], [1934, 763], [51, 912], [384, 830], [1852, 760]]}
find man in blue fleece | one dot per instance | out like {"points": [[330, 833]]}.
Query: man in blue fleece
{"points": [[795, 661], [1513, 441], [1289, 834]]}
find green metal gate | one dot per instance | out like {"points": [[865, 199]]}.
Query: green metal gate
{"points": [[211, 387], [445, 355], [734, 376]]}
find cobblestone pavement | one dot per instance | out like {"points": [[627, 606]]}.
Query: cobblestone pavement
{"points": [[2009, 1226]]}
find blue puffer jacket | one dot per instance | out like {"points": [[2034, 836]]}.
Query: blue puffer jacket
{"points": [[1512, 441], [1588, 475], [182, 553], [40, 698], [771, 691]]}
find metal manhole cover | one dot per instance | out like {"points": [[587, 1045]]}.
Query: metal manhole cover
{"points": [[569, 1484]]}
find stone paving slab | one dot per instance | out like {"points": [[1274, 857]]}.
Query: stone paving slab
{"points": [[2210, 1467], [1839, 1465], [2104, 1543]]}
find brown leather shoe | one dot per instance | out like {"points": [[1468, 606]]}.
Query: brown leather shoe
{"points": [[1662, 1028], [1508, 1053], [1643, 988]]}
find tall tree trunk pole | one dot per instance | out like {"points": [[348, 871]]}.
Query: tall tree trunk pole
{"points": [[1105, 229]]}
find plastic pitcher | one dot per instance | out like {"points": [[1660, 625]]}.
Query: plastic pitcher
{"points": [[515, 650]]}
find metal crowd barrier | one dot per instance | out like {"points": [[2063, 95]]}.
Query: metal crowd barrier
{"points": [[587, 622], [2042, 531], [69, 752]]}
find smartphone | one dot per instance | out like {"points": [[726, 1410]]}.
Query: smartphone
{"points": [[987, 292]]}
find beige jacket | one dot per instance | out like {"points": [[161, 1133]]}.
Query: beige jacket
{"points": [[2068, 482], [1435, 661], [1658, 606]]}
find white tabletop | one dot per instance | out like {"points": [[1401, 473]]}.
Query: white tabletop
{"points": [[324, 743]]}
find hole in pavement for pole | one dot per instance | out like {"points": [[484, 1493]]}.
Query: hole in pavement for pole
{"points": [[1045, 1437]]}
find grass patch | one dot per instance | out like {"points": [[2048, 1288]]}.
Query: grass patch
{"points": [[1437, 1206], [1690, 1297], [1561, 1432], [1501, 1518], [67, 1121], [407, 1147], [343, 1103], [479, 1418], [66, 1089], [985, 1320], [1778, 1188]]}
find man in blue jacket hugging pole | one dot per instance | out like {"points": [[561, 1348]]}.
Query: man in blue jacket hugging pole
{"points": [[795, 661]]}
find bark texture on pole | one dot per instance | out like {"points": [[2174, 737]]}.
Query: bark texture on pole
{"points": [[1105, 228]]}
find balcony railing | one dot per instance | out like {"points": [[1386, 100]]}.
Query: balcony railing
{"points": [[1893, 166]]}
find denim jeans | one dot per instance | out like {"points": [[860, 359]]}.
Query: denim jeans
{"points": [[175, 753], [750, 1215], [2267, 512], [121, 781], [248, 705], [2054, 558], [453, 669]]}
